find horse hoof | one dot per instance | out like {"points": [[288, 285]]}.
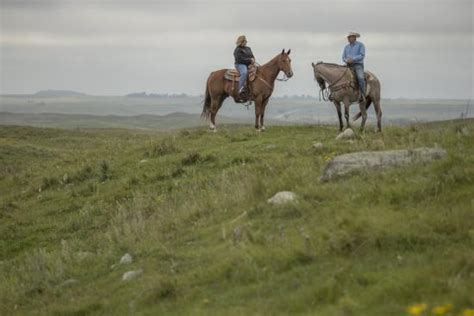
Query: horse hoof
{"points": [[258, 130], [262, 129]]}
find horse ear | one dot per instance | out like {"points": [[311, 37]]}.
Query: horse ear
{"points": [[282, 51], [312, 64], [289, 51]]}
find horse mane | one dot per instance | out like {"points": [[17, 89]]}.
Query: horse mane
{"points": [[318, 77], [330, 64], [270, 61]]}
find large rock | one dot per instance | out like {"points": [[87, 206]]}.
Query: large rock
{"points": [[347, 163], [282, 197]]}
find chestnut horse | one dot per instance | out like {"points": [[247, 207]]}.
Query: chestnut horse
{"points": [[218, 89]]}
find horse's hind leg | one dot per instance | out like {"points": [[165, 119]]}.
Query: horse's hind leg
{"points": [[337, 104], [378, 110], [363, 112], [215, 100], [358, 115]]}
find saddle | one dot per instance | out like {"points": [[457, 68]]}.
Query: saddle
{"points": [[355, 83], [234, 75]]}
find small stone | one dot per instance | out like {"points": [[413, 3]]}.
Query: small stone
{"points": [[318, 145], [65, 178], [271, 146], [378, 144], [238, 233], [143, 161], [130, 275], [69, 283], [126, 259], [282, 198], [464, 131], [83, 255], [347, 134]]}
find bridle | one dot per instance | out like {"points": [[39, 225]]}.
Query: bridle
{"points": [[285, 77], [325, 92]]}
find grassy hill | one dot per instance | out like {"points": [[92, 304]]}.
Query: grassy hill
{"points": [[191, 208], [55, 120]]}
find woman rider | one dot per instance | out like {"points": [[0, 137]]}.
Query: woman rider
{"points": [[243, 58]]}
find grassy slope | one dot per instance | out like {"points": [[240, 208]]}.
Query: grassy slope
{"points": [[195, 218], [74, 121]]}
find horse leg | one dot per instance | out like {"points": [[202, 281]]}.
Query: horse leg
{"points": [[215, 105], [337, 104], [363, 112], [264, 105], [347, 104], [367, 105], [258, 113], [378, 110]]}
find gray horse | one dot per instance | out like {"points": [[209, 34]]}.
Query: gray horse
{"points": [[342, 85]]}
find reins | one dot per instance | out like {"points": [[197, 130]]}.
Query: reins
{"points": [[261, 79], [326, 92]]}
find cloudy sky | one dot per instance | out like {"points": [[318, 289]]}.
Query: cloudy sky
{"points": [[418, 48]]}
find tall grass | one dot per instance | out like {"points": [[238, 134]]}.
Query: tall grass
{"points": [[191, 207]]}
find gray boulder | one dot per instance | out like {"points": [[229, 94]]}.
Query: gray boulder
{"points": [[369, 160]]}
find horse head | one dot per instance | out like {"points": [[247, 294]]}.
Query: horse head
{"points": [[284, 63], [317, 76]]}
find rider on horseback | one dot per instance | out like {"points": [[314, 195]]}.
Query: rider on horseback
{"points": [[243, 58], [353, 55]]}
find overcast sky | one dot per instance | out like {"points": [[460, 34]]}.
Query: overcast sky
{"points": [[417, 48]]}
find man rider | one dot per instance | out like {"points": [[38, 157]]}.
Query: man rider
{"points": [[243, 58], [353, 55]]}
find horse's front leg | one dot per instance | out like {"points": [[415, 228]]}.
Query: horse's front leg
{"points": [[258, 113], [262, 115], [347, 104], [337, 104]]}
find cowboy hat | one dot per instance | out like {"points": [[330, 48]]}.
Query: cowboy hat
{"points": [[353, 34], [241, 39]]}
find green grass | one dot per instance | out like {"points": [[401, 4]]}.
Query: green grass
{"points": [[190, 206]]}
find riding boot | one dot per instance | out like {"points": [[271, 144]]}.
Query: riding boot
{"points": [[362, 98]]}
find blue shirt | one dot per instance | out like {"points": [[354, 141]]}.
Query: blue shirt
{"points": [[356, 51]]}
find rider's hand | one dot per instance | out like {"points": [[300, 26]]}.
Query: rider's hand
{"points": [[349, 61]]}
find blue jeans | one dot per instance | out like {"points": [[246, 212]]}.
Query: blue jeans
{"points": [[242, 69], [359, 70]]}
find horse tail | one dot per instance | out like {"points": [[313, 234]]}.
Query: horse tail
{"points": [[206, 109]]}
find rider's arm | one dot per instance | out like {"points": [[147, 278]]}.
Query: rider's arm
{"points": [[251, 53], [360, 55], [236, 54], [344, 56]]}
